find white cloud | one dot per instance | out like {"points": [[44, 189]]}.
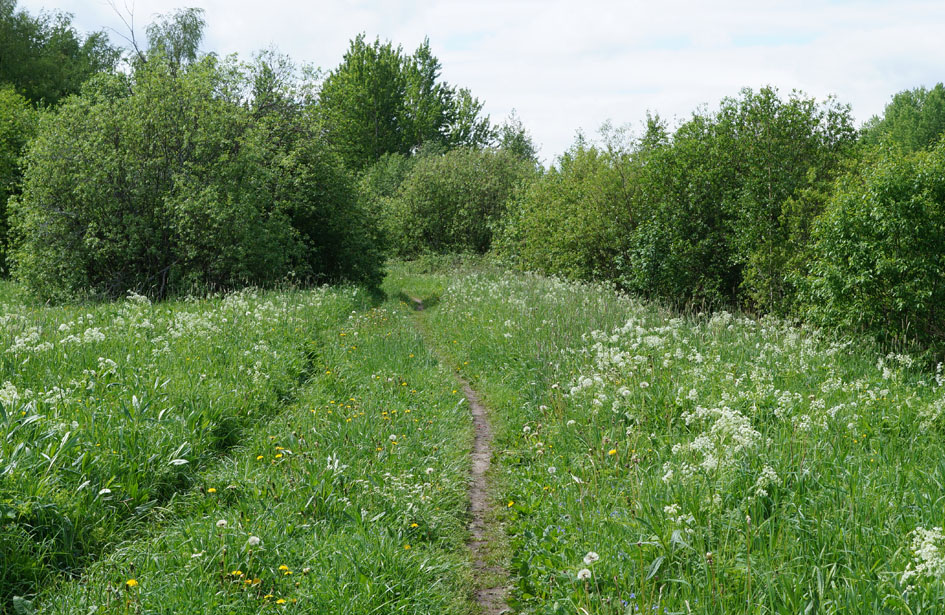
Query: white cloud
{"points": [[570, 65]]}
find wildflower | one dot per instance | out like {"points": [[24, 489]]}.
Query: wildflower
{"points": [[511, 503], [237, 573], [429, 471], [571, 422], [591, 557], [406, 547], [583, 574], [283, 567], [282, 600], [414, 525], [211, 490], [552, 469], [130, 583], [612, 451], [259, 457], [253, 541], [392, 438], [526, 430], [221, 523]]}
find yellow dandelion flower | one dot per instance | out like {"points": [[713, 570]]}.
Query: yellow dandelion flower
{"points": [[406, 547], [211, 490], [283, 567], [612, 451], [131, 583], [511, 503], [267, 596], [414, 525], [279, 456], [259, 457], [282, 600]]}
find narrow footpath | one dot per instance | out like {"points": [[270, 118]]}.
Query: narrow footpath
{"points": [[491, 581]]}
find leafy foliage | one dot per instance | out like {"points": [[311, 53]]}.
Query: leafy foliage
{"points": [[382, 101], [44, 58], [452, 202], [575, 219], [879, 251], [175, 181], [913, 120], [17, 124]]}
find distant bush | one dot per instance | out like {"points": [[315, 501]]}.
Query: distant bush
{"points": [[17, 125], [171, 179], [576, 219], [879, 251], [705, 215], [452, 202]]}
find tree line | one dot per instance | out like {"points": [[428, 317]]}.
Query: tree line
{"points": [[166, 170]]}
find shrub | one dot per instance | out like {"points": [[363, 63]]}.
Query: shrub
{"points": [[17, 125], [574, 220], [879, 251], [452, 202], [171, 180]]}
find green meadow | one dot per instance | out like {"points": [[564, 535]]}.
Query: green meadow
{"points": [[308, 450]]}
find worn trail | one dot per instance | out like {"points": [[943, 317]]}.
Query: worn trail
{"points": [[491, 580]]}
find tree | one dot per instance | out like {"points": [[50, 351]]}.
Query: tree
{"points": [[381, 101], [44, 57], [18, 122], [879, 251], [452, 202], [175, 180], [913, 120], [177, 36], [514, 138]]}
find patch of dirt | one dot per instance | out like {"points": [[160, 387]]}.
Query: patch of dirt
{"points": [[491, 581]]}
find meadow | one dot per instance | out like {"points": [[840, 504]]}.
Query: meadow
{"points": [[308, 450]]}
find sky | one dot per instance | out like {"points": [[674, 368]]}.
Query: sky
{"points": [[569, 66]]}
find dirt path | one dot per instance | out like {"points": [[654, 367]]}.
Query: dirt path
{"points": [[491, 580]]}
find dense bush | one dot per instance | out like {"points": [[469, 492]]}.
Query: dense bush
{"points": [[704, 215], [17, 125], [574, 220], [879, 251], [452, 202], [173, 178]]}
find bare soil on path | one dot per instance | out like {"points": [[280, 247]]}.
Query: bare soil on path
{"points": [[491, 580]]}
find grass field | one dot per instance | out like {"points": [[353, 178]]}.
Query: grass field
{"points": [[309, 451]]}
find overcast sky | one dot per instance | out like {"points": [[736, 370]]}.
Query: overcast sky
{"points": [[572, 65]]}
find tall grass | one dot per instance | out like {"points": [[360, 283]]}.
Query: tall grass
{"points": [[108, 411], [706, 464]]}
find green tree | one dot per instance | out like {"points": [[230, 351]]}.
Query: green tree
{"points": [[777, 148], [364, 103], [453, 202], [381, 101], [176, 180], [176, 36], [879, 251], [17, 125], [913, 120], [44, 57], [513, 137]]}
